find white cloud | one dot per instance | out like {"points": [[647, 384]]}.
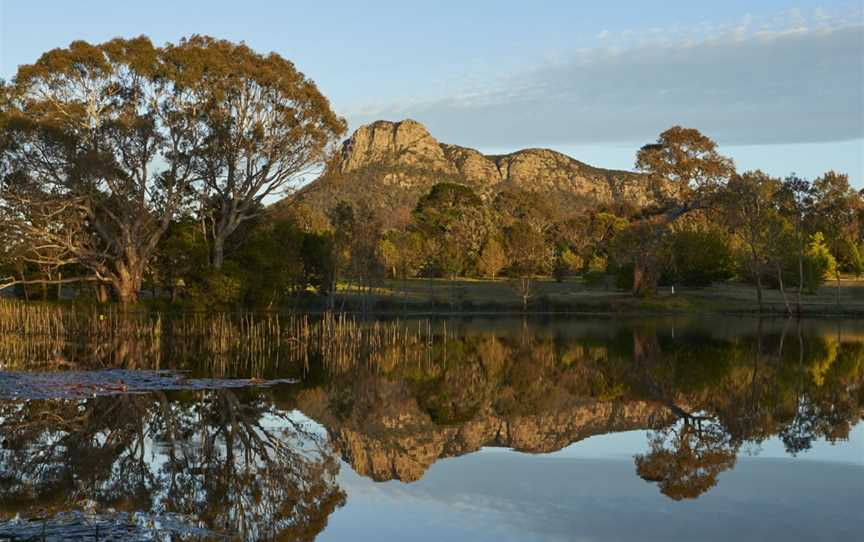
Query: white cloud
{"points": [[771, 80]]}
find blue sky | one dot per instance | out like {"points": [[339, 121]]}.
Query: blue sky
{"points": [[777, 83]]}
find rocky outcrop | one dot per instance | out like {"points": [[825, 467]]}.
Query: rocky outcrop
{"points": [[389, 165], [405, 143]]}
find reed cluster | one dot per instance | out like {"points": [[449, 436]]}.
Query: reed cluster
{"points": [[34, 335]]}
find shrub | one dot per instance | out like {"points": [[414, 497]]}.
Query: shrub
{"points": [[819, 264], [699, 258], [849, 258], [624, 277]]}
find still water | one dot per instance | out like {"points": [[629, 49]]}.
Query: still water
{"points": [[487, 429]]}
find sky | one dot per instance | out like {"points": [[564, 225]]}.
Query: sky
{"points": [[778, 84]]}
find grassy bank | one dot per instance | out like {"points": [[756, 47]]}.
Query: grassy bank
{"points": [[443, 296], [575, 296]]}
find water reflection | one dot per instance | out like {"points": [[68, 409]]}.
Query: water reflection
{"points": [[264, 462], [226, 460]]}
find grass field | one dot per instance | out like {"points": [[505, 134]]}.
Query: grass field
{"points": [[573, 295]]}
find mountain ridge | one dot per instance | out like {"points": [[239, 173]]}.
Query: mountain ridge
{"points": [[388, 166]]}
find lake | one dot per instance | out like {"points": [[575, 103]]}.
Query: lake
{"points": [[475, 429]]}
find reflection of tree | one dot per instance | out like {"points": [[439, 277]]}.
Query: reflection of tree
{"points": [[746, 395], [230, 463], [686, 459]]}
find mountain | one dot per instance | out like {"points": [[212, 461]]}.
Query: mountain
{"points": [[389, 165]]}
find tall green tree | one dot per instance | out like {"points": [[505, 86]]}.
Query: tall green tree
{"points": [[836, 213], [748, 208], [270, 262], [795, 200], [181, 257], [456, 224]]}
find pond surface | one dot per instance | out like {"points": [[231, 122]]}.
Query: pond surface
{"points": [[486, 429]]}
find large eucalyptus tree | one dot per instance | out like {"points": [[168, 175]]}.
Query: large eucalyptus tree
{"points": [[95, 159], [265, 125], [685, 171]]}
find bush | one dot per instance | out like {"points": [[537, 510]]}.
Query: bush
{"points": [[224, 288], [624, 277], [566, 264], [699, 258], [849, 258], [819, 264]]}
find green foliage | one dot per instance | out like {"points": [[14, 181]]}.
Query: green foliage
{"points": [[492, 260], [596, 278], [272, 260], [271, 263], [181, 256], [700, 258], [442, 206], [849, 257], [402, 253], [567, 263], [319, 262], [529, 251], [819, 264], [263, 123], [623, 276], [454, 222], [222, 287], [516, 205]]}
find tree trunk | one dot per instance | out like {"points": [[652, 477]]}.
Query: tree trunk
{"points": [[127, 293], [101, 293], [837, 276], [526, 292], [757, 268], [800, 278], [218, 252], [127, 282], [644, 278], [782, 290], [759, 289]]}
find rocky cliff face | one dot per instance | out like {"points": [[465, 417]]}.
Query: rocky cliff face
{"points": [[389, 165]]}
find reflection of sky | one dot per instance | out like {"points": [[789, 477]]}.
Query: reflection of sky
{"points": [[627, 444], [590, 491]]}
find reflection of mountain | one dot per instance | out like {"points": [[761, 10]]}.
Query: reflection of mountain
{"points": [[387, 435], [702, 397]]}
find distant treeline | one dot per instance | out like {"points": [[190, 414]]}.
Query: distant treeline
{"points": [[128, 167]]}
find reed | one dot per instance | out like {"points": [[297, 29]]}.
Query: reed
{"points": [[40, 335]]}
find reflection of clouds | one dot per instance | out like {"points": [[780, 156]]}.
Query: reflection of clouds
{"points": [[760, 80], [494, 496]]}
